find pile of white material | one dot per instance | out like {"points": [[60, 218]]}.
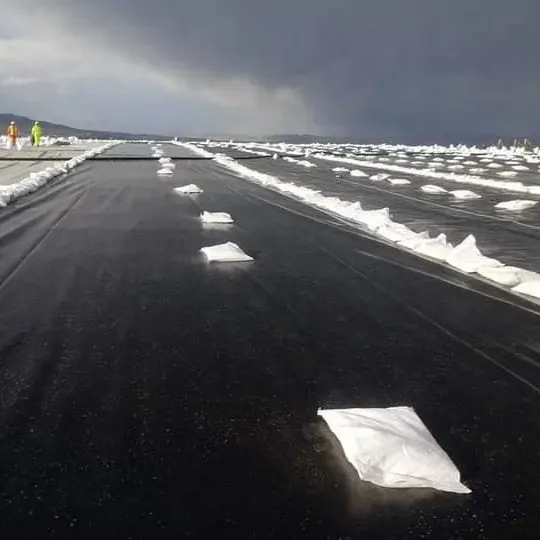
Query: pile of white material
{"points": [[516, 205], [228, 252], [216, 217], [465, 256], [190, 188], [393, 448], [35, 180]]}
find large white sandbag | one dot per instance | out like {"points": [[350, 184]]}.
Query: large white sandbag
{"points": [[516, 205], [430, 188], [399, 181], [228, 252], [393, 448], [190, 188], [216, 217], [358, 173], [465, 194]]}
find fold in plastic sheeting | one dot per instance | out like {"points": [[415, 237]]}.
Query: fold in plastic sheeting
{"points": [[228, 252], [393, 448], [185, 190], [216, 217]]}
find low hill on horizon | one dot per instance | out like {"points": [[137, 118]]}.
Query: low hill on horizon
{"points": [[58, 130]]}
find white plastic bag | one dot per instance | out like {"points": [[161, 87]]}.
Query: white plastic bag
{"points": [[393, 448]]}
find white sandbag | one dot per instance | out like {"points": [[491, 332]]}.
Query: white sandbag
{"points": [[216, 217], [399, 181], [340, 169], [516, 204], [494, 166], [430, 188], [393, 448], [465, 194], [358, 173], [468, 258], [190, 188], [165, 172], [228, 252], [379, 177], [529, 288], [507, 174]]}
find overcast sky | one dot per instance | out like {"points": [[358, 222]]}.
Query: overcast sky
{"points": [[390, 69]]}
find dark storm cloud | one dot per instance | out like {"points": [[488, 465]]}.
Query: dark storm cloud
{"points": [[380, 68]]}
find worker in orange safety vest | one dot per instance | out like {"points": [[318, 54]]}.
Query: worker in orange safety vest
{"points": [[13, 133]]}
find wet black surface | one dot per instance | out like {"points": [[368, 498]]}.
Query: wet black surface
{"points": [[147, 394], [511, 237]]}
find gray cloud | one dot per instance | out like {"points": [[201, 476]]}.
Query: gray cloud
{"points": [[415, 69]]}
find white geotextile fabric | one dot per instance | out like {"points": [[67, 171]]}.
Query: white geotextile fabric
{"points": [[190, 188], [216, 217], [393, 448], [228, 252], [468, 258]]}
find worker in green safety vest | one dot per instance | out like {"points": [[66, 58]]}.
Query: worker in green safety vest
{"points": [[36, 134]]}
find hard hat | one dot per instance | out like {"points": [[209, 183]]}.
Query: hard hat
{"points": [[12, 123], [36, 122]]}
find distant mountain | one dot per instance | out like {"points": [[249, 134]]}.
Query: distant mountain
{"points": [[58, 130]]}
